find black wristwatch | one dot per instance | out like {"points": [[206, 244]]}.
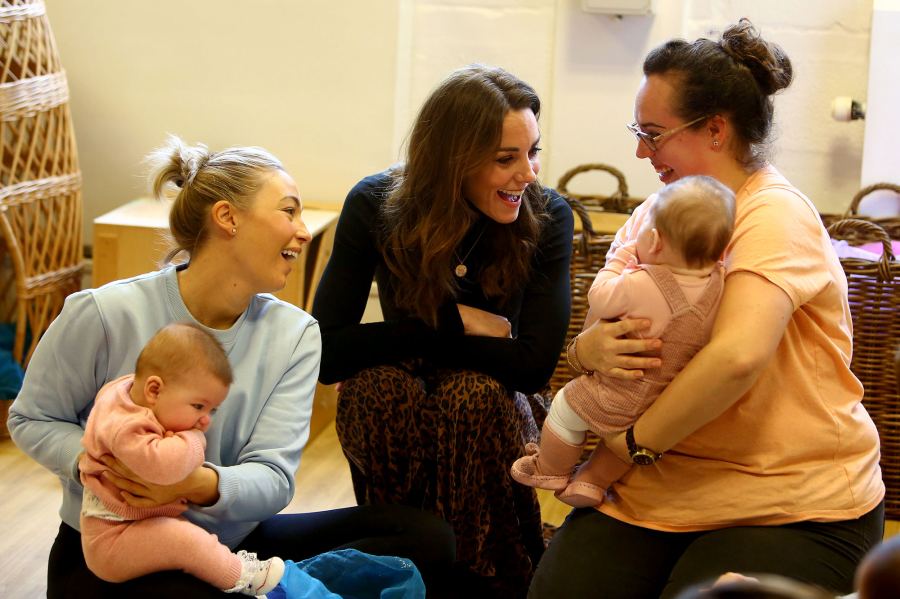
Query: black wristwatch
{"points": [[639, 455]]}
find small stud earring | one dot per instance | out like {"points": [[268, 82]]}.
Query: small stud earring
{"points": [[715, 143], [234, 230]]}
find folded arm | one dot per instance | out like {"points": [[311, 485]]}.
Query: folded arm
{"points": [[523, 363]]}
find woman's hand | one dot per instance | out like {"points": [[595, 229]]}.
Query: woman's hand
{"points": [[200, 487], [484, 324], [600, 349]]}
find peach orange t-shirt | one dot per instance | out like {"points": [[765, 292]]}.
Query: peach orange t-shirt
{"points": [[799, 445]]}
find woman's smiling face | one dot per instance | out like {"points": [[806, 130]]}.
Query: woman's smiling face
{"points": [[496, 188], [272, 233], [679, 155]]}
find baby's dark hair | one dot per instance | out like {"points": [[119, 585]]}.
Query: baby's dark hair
{"points": [[759, 586], [696, 215], [878, 576], [178, 349]]}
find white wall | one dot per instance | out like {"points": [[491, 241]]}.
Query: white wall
{"points": [[332, 87], [598, 69], [880, 162], [312, 81]]}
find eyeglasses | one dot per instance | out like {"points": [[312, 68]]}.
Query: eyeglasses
{"points": [[653, 141]]}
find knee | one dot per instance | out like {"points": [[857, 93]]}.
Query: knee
{"points": [[436, 550], [105, 568], [380, 381], [471, 392], [376, 393]]}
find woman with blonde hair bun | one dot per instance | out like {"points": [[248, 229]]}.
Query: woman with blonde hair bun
{"points": [[237, 220]]}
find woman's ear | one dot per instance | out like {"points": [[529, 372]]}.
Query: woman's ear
{"points": [[224, 217], [152, 387], [719, 130]]}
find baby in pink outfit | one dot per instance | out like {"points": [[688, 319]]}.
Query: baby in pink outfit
{"points": [[152, 423], [676, 281]]}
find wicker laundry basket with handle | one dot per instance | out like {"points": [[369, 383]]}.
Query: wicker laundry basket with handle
{"points": [[617, 201], [588, 256], [874, 292], [589, 249], [891, 224], [40, 182]]}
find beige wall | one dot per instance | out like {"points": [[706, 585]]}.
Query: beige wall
{"points": [[331, 87], [312, 81], [598, 64]]}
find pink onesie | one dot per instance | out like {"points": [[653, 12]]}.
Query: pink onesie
{"points": [[122, 542], [612, 405]]}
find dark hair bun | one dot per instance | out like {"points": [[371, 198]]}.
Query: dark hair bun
{"points": [[767, 62]]}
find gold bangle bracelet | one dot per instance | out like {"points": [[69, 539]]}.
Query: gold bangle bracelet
{"points": [[572, 358]]}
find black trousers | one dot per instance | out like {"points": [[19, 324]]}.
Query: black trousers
{"points": [[381, 530], [593, 555]]}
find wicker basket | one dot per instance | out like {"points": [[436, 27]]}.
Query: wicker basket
{"points": [[618, 201], [874, 291], [588, 250], [588, 256], [40, 183], [891, 224]]}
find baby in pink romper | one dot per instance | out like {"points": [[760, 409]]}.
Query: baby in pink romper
{"points": [[674, 279], [153, 422]]}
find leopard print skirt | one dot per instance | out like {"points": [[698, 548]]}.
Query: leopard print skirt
{"points": [[443, 441]]}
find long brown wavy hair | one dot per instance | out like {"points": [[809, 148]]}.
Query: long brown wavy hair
{"points": [[457, 132]]}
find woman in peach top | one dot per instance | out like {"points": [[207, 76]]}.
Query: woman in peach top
{"points": [[759, 456]]}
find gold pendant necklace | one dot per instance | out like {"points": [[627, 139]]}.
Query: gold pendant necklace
{"points": [[461, 269]]}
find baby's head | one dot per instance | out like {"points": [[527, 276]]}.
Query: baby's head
{"points": [[878, 576], [689, 225], [182, 375], [758, 586]]}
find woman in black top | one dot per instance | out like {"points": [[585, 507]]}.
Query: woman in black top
{"points": [[471, 256]]}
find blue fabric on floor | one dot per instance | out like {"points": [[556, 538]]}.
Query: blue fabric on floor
{"points": [[10, 372], [297, 584], [350, 574]]}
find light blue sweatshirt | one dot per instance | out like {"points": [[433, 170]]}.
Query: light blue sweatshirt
{"points": [[257, 434]]}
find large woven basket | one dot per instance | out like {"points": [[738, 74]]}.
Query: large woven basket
{"points": [[891, 224], [874, 291], [588, 250], [40, 182], [588, 256], [617, 201]]}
